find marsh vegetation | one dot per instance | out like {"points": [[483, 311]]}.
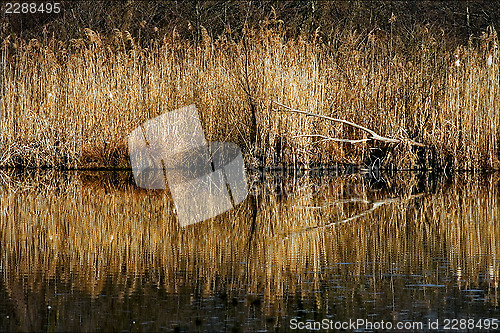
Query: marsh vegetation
{"points": [[71, 104], [329, 229]]}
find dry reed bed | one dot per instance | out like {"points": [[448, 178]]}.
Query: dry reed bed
{"points": [[72, 104], [91, 233]]}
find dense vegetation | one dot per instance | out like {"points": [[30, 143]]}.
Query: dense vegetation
{"points": [[74, 85]]}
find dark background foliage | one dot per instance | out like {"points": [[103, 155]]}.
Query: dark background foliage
{"points": [[458, 20]]}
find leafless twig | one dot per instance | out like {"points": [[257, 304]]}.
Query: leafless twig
{"points": [[373, 135]]}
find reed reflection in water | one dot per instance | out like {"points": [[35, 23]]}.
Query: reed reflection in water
{"points": [[91, 251]]}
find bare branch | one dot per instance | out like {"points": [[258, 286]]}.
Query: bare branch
{"points": [[328, 118], [374, 136]]}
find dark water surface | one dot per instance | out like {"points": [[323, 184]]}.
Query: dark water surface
{"points": [[90, 251]]}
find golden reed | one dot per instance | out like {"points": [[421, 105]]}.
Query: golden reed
{"points": [[72, 104]]}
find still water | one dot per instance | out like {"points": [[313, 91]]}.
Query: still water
{"points": [[90, 251]]}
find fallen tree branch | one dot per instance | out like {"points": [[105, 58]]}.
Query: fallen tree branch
{"points": [[373, 135]]}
